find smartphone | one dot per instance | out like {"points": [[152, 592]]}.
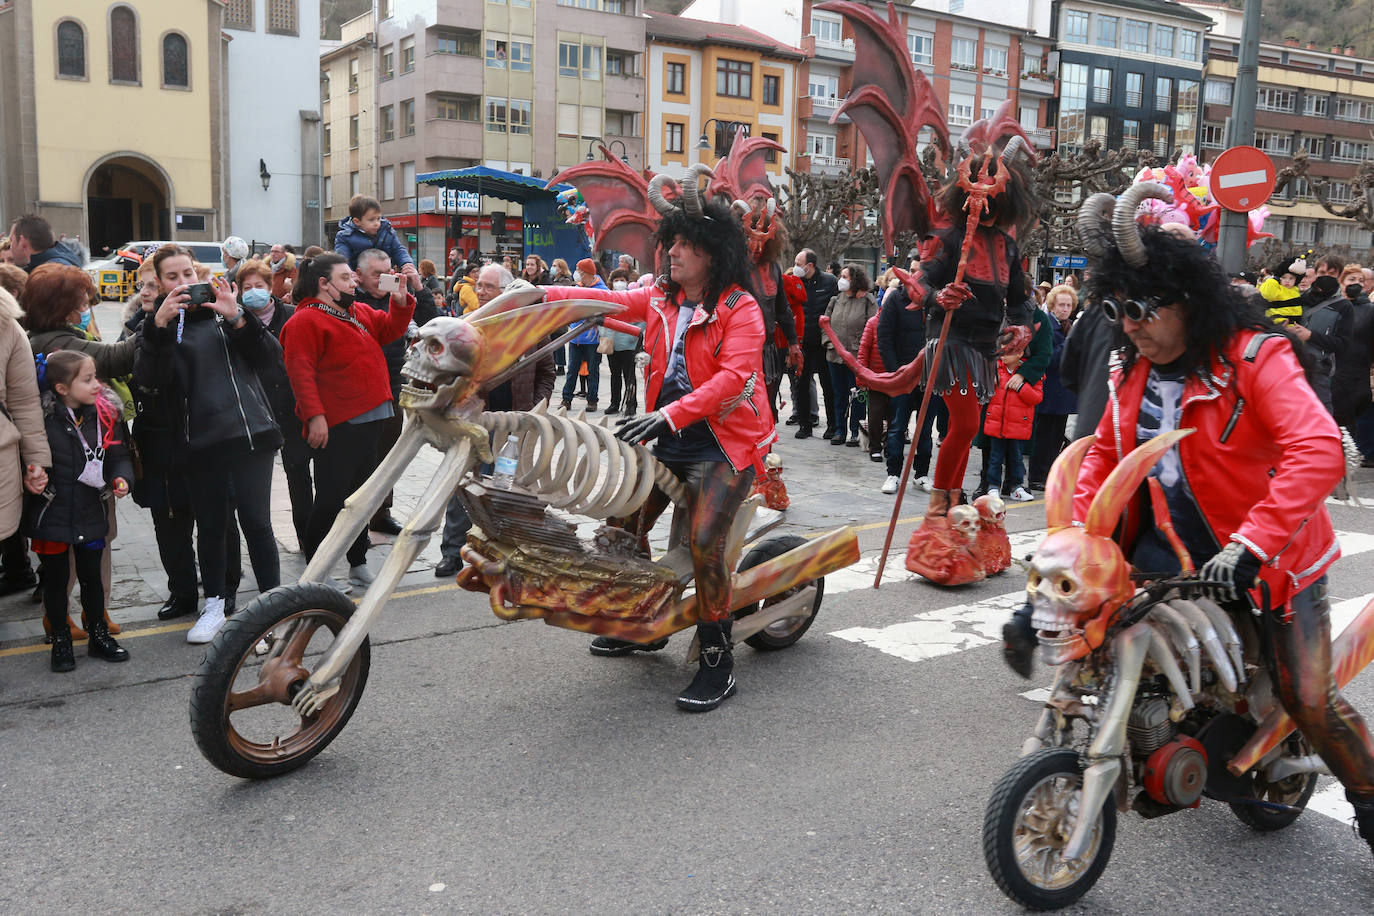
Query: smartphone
{"points": [[201, 294], [389, 283]]}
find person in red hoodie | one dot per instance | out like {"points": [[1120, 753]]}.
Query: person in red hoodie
{"points": [[1010, 416], [333, 354], [707, 408]]}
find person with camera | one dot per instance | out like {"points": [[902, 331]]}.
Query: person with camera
{"points": [[204, 352]]}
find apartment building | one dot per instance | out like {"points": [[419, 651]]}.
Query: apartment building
{"points": [[706, 80], [347, 120], [1316, 100]]}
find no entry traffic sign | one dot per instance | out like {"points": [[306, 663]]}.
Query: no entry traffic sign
{"points": [[1242, 178]]}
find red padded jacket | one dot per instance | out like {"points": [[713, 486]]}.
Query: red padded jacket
{"points": [[1263, 459], [724, 352], [1011, 414], [868, 354]]}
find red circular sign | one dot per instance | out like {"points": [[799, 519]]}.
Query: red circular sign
{"points": [[1242, 178]]}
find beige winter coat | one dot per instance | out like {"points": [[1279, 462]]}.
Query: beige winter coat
{"points": [[22, 437]]}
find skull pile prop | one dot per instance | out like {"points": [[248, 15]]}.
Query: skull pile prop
{"points": [[994, 547], [770, 485], [963, 521], [1079, 578], [449, 351]]}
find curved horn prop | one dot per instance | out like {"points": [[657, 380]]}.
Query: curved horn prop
{"points": [[1124, 226], [656, 194], [691, 189], [1124, 480], [741, 206], [1059, 486], [1094, 223]]}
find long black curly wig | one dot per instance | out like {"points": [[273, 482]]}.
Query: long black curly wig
{"points": [[1179, 270], [718, 235]]}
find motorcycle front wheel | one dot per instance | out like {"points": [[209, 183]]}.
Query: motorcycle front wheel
{"points": [[1027, 825], [241, 712]]}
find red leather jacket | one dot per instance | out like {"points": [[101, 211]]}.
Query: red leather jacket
{"points": [[1265, 456], [1011, 414], [724, 352]]}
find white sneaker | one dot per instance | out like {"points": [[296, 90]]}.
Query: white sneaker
{"points": [[925, 483], [211, 619], [891, 484], [343, 583], [994, 491], [1021, 495], [360, 576]]}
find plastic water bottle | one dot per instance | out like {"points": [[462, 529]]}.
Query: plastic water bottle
{"points": [[507, 461]]}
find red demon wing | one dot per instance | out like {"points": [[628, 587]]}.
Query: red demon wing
{"points": [[743, 173]]}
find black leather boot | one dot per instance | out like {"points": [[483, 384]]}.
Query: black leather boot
{"points": [[177, 606], [1019, 642], [99, 643], [715, 680], [1364, 816], [609, 646], [63, 659]]}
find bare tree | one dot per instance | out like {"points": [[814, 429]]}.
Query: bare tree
{"points": [[828, 213]]}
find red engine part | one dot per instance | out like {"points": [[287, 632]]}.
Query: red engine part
{"points": [[1176, 774]]}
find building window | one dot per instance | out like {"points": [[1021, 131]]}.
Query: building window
{"points": [[326, 141], [353, 74], [960, 111], [456, 109], [995, 60], [823, 146], [281, 17], [569, 60], [1314, 147], [387, 67], [1274, 142], [921, 46], [622, 124], [567, 120], [1073, 102], [734, 78], [1213, 136], [823, 87], [1271, 99], [71, 49], [1349, 151], [1354, 110], [1338, 192], [591, 62], [1315, 106], [238, 14], [1130, 134], [408, 54], [384, 10], [1076, 27], [1164, 93], [591, 121], [1161, 145], [496, 115], [324, 85], [770, 89], [519, 112], [388, 182], [770, 155], [963, 54], [672, 137], [1302, 231], [675, 82], [1217, 92], [1164, 40], [1135, 89], [725, 136], [123, 45], [1136, 36], [1107, 27], [521, 55], [328, 192], [407, 179], [1189, 43], [408, 118], [496, 54], [1097, 128], [353, 132], [176, 70], [1185, 121], [618, 63], [826, 30], [354, 185], [388, 122], [456, 43], [1102, 86]]}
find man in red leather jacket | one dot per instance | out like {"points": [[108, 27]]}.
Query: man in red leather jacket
{"points": [[1247, 490], [706, 405]]}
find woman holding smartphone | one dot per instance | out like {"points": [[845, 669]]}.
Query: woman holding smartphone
{"points": [[204, 352]]}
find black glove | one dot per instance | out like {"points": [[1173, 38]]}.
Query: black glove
{"points": [[1231, 571], [641, 428]]}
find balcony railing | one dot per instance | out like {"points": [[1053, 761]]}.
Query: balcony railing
{"points": [[827, 103], [1042, 137], [821, 163], [844, 44]]}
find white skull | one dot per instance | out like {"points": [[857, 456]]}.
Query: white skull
{"points": [[964, 521], [447, 349], [992, 510]]}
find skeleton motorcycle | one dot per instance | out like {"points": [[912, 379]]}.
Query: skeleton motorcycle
{"points": [[1160, 696], [282, 678]]}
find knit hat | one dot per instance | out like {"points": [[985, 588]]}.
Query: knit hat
{"points": [[587, 266], [236, 248]]}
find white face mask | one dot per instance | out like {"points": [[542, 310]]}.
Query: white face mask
{"points": [[577, 276], [844, 285], [799, 272], [619, 284]]}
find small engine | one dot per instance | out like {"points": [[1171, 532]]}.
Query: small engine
{"points": [[1149, 728], [1176, 774]]}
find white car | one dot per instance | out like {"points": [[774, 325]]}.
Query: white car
{"points": [[207, 253]]}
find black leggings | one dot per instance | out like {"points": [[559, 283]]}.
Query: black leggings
{"points": [[56, 570], [341, 467], [249, 478]]}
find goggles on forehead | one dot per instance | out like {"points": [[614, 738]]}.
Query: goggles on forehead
{"points": [[1138, 310]]}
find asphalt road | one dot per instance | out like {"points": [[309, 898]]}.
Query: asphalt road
{"points": [[499, 768]]}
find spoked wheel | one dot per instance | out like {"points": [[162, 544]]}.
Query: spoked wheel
{"points": [[1027, 825], [1293, 791], [780, 633], [241, 713]]}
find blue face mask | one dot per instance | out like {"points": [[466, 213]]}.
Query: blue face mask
{"points": [[257, 299], [84, 321]]}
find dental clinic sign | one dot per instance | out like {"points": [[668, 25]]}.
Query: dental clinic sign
{"points": [[446, 201]]}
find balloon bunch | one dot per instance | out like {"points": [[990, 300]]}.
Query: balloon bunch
{"points": [[1193, 207]]}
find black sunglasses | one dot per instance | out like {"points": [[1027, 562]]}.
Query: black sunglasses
{"points": [[1138, 310]]}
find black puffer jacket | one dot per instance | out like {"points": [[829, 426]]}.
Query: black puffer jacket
{"points": [[901, 330], [395, 352], [210, 381], [69, 511]]}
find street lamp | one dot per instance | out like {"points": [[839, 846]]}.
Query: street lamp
{"points": [[265, 175], [704, 143], [624, 152]]}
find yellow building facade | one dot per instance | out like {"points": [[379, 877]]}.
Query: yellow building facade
{"points": [[113, 118]]}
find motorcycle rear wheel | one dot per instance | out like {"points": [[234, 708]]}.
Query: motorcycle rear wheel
{"points": [[1294, 791], [1027, 825], [780, 633]]}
